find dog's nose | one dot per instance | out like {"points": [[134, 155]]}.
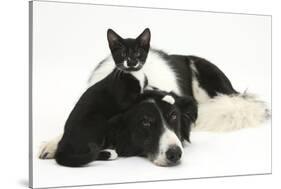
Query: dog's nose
{"points": [[173, 154]]}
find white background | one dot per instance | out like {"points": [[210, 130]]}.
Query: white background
{"points": [[70, 40], [14, 82]]}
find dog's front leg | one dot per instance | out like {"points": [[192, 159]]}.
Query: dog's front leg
{"points": [[48, 149]]}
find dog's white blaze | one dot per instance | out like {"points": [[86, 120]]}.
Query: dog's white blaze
{"points": [[48, 149], [167, 139], [169, 99], [199, 94], [157, 71]]}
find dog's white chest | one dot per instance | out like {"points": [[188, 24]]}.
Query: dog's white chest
{"points": [[160, 75], [157, 72]]}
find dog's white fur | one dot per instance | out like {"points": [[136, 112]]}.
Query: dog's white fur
{"points": [[167, 139], [159, 73], [48, 149], [199, 94], [227, 113], [169, 99]]}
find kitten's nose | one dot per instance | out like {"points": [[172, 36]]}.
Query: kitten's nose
{"points": [[132, 63]]}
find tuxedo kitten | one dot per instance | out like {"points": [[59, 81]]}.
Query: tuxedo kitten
{"points": [[129, 54]]}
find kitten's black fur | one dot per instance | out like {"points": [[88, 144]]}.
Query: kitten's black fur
{"points": [[86, 124]]}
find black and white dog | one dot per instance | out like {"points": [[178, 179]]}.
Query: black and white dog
{"points": [[220, 106], [154, 127]]}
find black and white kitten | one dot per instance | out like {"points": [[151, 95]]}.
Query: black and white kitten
{"points": [[129, 54]]}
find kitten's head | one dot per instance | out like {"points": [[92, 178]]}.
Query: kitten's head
{"points": [[129, 54]]}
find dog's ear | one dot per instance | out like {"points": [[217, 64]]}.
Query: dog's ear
{"points": [[188, 109]]}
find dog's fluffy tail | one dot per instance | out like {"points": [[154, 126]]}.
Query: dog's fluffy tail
{"points": [[231, 112]]}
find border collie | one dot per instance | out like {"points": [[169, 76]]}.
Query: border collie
{"points": [[221, 107], [154, 127]]}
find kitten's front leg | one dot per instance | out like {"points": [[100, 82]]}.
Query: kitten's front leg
{"points": [[48, 149]]}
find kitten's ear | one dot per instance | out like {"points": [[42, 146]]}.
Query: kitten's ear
{"points": [[144, 37], [112, 37]]}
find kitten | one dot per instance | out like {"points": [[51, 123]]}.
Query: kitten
{"points": [[129, 54]]}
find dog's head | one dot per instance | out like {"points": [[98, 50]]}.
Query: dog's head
{"points": [[158, 124]]}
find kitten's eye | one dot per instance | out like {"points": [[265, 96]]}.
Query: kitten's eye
{"points": [[123, 53], [146, 123], [137, 54]]}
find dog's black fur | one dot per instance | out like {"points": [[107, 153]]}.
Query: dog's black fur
{"points": [[136, 132], [96, 121]]}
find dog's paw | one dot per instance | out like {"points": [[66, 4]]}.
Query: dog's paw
{"points": [[48, 150], [108, 154]]}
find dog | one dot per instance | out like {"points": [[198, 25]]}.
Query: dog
{"points": [[154, 127], [221, 107]]}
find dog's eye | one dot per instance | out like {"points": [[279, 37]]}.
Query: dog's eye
{"points": [[173, 116]]}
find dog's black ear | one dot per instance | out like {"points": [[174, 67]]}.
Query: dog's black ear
{"points": [[113, 38], [188, 109]]}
